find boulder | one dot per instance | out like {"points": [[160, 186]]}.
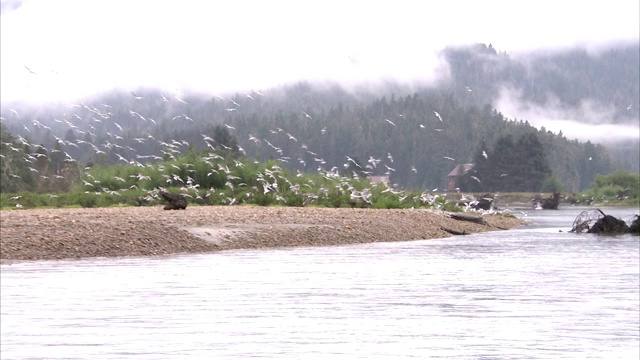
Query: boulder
{"points": [[175, 201], [609, 225], [635, 226]]}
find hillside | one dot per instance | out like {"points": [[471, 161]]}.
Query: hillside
{"points": [[415, 136]]}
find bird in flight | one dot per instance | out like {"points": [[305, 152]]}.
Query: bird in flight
{"points": [[438, 115], [390, 122], [29, 70]]}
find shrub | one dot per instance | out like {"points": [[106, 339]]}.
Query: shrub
{"points": [[87, 200]]}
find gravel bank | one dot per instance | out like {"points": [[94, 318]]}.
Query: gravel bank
{"points": [[145, 231]]}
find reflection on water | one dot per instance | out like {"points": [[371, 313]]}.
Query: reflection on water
{"points": [[528, 293]]}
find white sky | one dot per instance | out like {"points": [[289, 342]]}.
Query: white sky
{"points": [[79, 47]]}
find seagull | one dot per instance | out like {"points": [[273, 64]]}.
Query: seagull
{"points": [[476, 179], [449, 158], [353, 161], [29, 70], [390, 122], [437, 115], [254, 139], [136, 96], [484, 153], [307, 115]]}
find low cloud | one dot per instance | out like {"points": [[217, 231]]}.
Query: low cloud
{"points": [[589, 121]]}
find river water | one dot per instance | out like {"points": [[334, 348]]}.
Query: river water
{"points": [[528, 293]]}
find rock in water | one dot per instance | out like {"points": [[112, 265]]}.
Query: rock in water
{"points": [[609, 225], [175, 201], [635, 226]]}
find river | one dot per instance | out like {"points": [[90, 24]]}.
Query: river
{"points": [[529, 293]]}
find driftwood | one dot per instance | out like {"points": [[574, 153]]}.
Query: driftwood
{"points": [[550, 203], [609, 225], [595, 221], [453, 232], [465, 217], [634, 228], [484, 203], [175, 201]]}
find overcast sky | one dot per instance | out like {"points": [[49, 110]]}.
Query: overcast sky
{"points": [[61, 49]]}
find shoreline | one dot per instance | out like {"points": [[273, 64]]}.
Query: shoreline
{"points": [[51, 234]]}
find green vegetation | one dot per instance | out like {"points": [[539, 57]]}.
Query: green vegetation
{"points": [[621, 187], [325, 140], [209, 178], [509, 166]]}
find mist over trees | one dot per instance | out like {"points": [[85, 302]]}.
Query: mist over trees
{"points": [[610, 77], [415, 136]]}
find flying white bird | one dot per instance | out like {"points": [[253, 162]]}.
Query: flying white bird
{"points": [[29, 70], [437, 115], [353, 161], [390, 122]]}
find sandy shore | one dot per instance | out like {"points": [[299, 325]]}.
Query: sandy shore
{"points": [[144, 231]]}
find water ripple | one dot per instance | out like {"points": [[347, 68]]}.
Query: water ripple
{"points": [[529, 293]]}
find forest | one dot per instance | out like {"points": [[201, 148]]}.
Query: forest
{"points": [[413, 136]]}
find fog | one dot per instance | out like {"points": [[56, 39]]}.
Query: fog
{"points": [[590, 121], [55, 50]]}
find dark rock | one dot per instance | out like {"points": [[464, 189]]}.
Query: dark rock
{"points": [[609, 225], [175, 201], [550, 203], [635, 226], [484, 203]]}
